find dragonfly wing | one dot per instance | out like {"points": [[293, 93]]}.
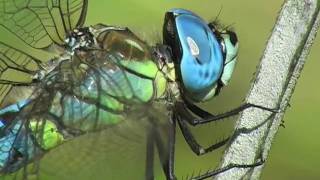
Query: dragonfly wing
{"points": [[108, 154], [105, 153], [28, 29], [107, 97], [40, 23], [16, 68]]}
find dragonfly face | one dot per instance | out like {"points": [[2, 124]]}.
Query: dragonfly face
{"points": [[203, 55]]}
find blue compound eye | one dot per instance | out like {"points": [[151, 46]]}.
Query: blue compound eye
{"points": [[196, 53]]}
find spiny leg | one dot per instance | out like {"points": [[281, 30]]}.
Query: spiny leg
{"points": [[171, 149], [166, 156], [150, 156], [154, 138], [226, 168], [199, 150], [192, 142], [207, 119]]}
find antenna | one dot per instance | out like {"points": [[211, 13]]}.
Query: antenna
{"points": [[216, 19]]}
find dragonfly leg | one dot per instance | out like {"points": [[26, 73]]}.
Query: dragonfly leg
{"points": [[171, 149], [185, 116], [166, 156], [150, 157], [207, 118], [226, 168], [192, 142]]}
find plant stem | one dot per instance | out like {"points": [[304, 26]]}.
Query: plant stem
{"points": [[273, 86]]}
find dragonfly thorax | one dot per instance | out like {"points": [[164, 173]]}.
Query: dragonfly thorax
{"points": [[163, 55], [77, 43], [79, 38]]}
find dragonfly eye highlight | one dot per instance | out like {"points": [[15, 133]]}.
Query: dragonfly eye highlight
{"points": [[194, 49]]}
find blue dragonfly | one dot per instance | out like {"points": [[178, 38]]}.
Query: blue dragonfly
{"points": [[102, 78]]}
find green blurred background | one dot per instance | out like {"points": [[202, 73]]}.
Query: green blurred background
{"points": [[294, 154]]}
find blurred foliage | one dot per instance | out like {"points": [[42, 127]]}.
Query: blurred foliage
{"points": [[294, 154]]}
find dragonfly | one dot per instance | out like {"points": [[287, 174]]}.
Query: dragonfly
{"points": [[103, 77]]}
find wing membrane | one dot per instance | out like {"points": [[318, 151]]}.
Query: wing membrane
{"points": [[40, 23], [74, 13], [16, 68], [12, 58], [89, 104]]}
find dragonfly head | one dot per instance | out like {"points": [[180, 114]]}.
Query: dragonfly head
{"points": [[204, 57]]}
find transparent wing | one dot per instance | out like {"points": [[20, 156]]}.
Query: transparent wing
{"points": [[16, 68], [105, 154], [102, 107], [26, 27], [40, 23], [102, 154]]}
